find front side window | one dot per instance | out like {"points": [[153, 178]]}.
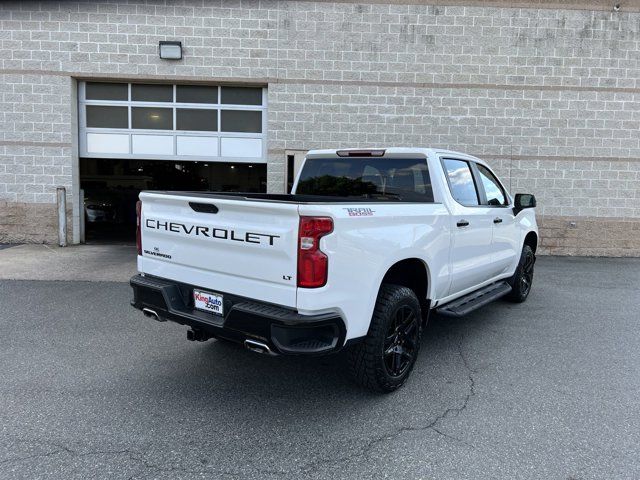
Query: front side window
{"points": [[463, 188], [367, 178], [493, 190]]}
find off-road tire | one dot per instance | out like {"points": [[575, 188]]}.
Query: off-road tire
{"points": [[523, 277], [367, 360]]}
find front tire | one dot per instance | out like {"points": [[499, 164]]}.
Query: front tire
{"points": [[523, 277], [383, 361]]}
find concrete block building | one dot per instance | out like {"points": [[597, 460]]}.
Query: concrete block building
{"points": [[548, 92]]}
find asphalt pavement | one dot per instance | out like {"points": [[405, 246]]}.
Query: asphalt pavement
{"points": [[549, 389], [111, 263]]}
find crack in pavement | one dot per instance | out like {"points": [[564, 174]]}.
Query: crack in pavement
{"points": [[316, 465], [65, 450], [135, 456], [312, 467], [61, 449], [451, 411]]}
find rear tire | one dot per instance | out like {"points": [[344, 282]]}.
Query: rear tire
{"points": [[383, 361], [523, 277]]}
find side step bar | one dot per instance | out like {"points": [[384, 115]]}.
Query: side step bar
{"points": [[471, 301]]}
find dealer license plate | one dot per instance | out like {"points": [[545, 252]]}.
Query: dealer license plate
{"points": [[208, 302]]}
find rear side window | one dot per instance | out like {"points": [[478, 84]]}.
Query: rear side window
{"points": [[463, 188], [375, 178]]}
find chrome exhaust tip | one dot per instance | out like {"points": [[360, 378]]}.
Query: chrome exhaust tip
{"points": [[258, 347], [151, 314]]}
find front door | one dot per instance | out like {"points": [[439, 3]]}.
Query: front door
{"points": [[472, 226], [505, 245]]}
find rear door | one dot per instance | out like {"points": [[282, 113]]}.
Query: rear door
{"points": [[505, 245], [222, 244], [472, 227]]}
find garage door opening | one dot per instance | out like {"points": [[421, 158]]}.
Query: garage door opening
{"points": [[158, 136], [111, 188]]}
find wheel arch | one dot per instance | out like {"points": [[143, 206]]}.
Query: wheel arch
{"points": [[531, 239], [412, 273]]}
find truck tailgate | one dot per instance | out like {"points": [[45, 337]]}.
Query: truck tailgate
{"points": [[232, 245]]}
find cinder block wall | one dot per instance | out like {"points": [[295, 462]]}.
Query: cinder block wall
{"points": [[35, 151], [550, 96]]}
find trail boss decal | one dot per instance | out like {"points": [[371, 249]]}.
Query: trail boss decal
{"points": [[360, 212], [212, 232]]}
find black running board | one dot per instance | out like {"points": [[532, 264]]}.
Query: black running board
{"points": [[471, 301]]}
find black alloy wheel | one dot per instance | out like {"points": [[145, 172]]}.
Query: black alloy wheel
{"points": [[400, 341], [384, 359], [526, 278], [523, 277]]}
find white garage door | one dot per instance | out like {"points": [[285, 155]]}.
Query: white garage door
{"points": [[172, 122]]}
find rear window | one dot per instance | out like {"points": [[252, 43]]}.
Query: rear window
{"points": [[367, 178]]}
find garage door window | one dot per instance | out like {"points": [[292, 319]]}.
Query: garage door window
{"points": [[241, 96], [107, 91], [152, 118], [107, 117], [151, 93], [197, 119], [196, 94], [241, 121], [160, 121]]}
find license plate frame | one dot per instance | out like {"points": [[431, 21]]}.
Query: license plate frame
{"points": [[210, 302]]}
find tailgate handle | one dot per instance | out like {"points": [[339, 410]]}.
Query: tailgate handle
{"points": [[203, 207]]}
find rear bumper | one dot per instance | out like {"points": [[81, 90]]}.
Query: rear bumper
{"points": [[283, 330]]}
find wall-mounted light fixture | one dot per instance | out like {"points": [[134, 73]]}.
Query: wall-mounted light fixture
{"points": [[170, 50]]}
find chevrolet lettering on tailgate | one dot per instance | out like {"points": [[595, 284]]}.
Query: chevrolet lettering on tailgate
{"points": [[212, 232]]}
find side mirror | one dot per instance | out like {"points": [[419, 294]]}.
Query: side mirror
{"points": [[522, 201]]}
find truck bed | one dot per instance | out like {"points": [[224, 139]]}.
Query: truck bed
{"points": [[280, 197]]}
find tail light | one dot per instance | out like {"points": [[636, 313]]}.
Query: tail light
{"points": [[312, 262], [138, 227]]}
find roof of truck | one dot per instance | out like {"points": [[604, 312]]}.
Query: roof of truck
{"points": [[395, 151]]}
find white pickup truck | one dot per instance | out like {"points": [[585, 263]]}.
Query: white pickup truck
{"points": [[367, 245]]}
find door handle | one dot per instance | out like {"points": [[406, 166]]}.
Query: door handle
{"points": [[203, 207], [462, 223], [497, 220]]}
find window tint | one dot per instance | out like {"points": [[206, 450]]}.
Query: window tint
{"points": [[152, 118], [390, 179], [196, 94], [241, 121], [197, 119], [107, 91], [463, 188], [107, 117], [242, 95], [151, 93], [493, 190]]}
